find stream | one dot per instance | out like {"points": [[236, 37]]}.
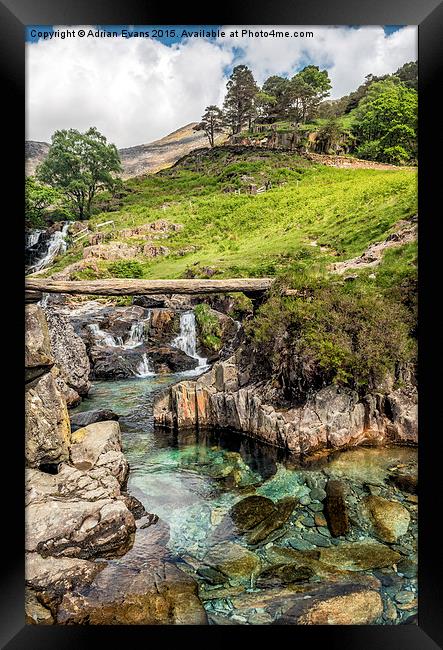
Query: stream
{"points": [[192, 479]]}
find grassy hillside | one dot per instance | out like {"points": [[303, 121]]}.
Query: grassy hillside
{"points": [[312, 215]]}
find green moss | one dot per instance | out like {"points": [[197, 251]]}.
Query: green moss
{"points": [[209, 327]]}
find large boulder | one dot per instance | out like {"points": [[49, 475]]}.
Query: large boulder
{"points": [[76, 514], [38, 354], [389, 519], [69, 352], [59, 575], [99, 444], [47, 429]]}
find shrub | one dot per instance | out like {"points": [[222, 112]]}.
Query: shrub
{"points": [[351, 337], [126, 269]]}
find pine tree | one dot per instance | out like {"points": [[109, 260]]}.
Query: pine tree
{"points": [[238, 106], [211, 122]]}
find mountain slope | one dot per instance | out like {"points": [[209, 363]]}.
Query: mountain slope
{"points": [[141, 159]]}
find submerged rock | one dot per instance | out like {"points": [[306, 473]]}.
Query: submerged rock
{"points": [[359, 556], [249, 512], [336, 509], [389, 519], [143, 587], [233, 560], [283, 574], [346, 604]]}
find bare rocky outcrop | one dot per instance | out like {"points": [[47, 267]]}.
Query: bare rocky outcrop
{"points": [[46, 423], [331, 418], [70, 356]]}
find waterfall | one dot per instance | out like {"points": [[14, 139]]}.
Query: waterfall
{"points": [[56, 244], [144, 368], [32, 237], [103, 338], [136, 333], [187, 339]]}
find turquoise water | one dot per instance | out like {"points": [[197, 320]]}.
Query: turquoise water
{"points": [[192, 479]]}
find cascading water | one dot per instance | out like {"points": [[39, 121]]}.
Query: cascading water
{"points": [[144, 368], [56, 244], [32, 237], [103, 338], [137, 333], [187, 339]]}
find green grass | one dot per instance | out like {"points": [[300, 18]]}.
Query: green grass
{"points": [[342, 210]]}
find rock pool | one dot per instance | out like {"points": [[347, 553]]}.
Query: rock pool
{"points": [[253, 525]]}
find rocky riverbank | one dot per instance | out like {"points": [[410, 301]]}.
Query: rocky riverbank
{"points": [[78, 513], [229, 397]]}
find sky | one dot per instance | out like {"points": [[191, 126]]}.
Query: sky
{"points": [[136, 90]]}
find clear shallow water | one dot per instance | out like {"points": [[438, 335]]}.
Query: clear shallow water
{"points": [[191, 480]]}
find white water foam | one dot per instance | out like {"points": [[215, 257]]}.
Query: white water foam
{"points": [[56, 244], [187, 339]]}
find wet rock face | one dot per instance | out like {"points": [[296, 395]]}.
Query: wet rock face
{"points": [[121, 363], [331, 418], [336, 509], [46, 423], [69, 352], [390, 520]]}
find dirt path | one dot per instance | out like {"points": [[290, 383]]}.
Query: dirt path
{"points": [[405, 233], [355, 163]]}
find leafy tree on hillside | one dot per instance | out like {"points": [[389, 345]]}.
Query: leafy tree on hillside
{"points": [[38, 199], [308, 88], [408, 74], [279, 89], [238, 106], [80, 165], [386, 122], [211, 122]]}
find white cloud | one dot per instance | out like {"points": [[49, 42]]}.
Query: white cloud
{"points": [[349, 54], [137, 90]]}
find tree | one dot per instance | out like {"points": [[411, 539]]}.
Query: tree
{"points": [[38, 199], [386, 122], [308, 88], [239, 105], [80, 165], [211, 122], [408, 74], [279, 89]]}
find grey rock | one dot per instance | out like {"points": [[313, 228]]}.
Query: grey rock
{"points": [[79, 420]]}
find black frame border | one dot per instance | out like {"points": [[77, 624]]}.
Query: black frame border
{"points": [[428, 15]]}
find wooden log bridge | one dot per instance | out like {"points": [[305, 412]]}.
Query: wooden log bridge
{"points": [[129, 287]]}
